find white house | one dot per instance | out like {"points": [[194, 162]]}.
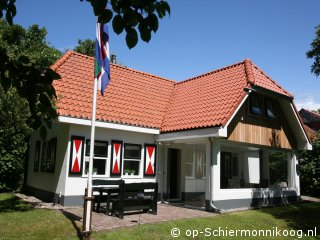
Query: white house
{"points": [[212, 141]]}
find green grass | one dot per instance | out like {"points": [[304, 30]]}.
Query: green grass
{"points": [[19, 220]]}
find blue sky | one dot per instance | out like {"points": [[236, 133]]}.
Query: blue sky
{"points": [[197, 39]]}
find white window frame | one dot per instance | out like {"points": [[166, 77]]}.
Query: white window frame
{"points": [[123, 175], [87, 158]]}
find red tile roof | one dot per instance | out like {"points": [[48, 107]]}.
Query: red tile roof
{"points": [[141, 99], [210, 100], [132, 97]]}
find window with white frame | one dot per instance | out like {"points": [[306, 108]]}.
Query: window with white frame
{"points": [[100, 158], [195, 164], [131, 159], [190, 163]]}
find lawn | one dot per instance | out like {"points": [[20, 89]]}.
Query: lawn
{"points": [[19, 220]]}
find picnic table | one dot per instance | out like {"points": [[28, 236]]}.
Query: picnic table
{"points": [[108, 189]]}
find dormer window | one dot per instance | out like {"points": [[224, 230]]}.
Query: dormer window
{"points": [[255, 104], [269, 110]]}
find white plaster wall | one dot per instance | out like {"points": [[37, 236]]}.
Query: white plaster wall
{"points": [[52, 182], [75, 185], [247, 193]]}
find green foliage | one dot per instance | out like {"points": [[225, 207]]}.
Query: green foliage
{"points": [[9, 7], [26, 95], [13, 131], [310, 169], [26, 59], [278, 167], [132, 16], [86, 47], [315, 53]]}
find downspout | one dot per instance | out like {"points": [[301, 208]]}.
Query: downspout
{"points": [[215, 209]]}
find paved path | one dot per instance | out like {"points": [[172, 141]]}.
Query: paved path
{"points": [[101, 221], [310, 199]]}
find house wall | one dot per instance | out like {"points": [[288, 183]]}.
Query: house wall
{"points": [[248, 128], [191, 188], [75, 185], [225, 199], [45, 184], [60, 187]]}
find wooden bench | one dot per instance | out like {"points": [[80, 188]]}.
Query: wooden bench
{"points": [[110, 188], [134, 197]]}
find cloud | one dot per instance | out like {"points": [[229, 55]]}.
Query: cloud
{"points": [[308, 103]]}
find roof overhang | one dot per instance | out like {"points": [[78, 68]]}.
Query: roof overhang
{"points": [[107, 125], [290, 112], [192, 134]]}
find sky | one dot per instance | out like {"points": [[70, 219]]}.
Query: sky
{"points": [[201, 36]]}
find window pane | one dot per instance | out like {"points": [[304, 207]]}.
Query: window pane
{"points": [[131, 167], [132, 151], [99, 166], [255, 105], [269, 109], [100, 148]]}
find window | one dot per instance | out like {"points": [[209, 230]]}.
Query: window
{"points": [[195, 165], [255, 104], [132, 159], [100, 157], [48, 158], [190, 163], [239, 169], [269, 111], [37, 156]]}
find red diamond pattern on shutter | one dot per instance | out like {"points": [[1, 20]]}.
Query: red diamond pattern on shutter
{"points": [[150, 160], [77, 155], [116, 159]]}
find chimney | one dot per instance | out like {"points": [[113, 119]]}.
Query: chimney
{"points": [[113, 58]]}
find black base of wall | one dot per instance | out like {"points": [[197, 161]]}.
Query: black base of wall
{"points": [[51, 197], [251, 203], [43, 195]]}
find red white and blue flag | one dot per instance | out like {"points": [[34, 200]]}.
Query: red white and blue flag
{"points": [[102, 63]]}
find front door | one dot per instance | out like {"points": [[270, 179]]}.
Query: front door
{"points": [[173, 174]]}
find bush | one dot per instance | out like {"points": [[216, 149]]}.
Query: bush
{"points": [[310, 169], [13, 144]]}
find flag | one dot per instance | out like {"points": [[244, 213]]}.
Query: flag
{"points": [[102, 63]]}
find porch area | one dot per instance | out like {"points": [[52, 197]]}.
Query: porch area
{"points": [[216, 174], [101, 221]]}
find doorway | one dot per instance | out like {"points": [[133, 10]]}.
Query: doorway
{"points": [[174, 174]]}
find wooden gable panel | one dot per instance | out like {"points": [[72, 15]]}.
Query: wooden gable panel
{"points": [[248, 128]]}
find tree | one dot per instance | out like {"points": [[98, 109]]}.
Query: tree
{"points": [[315, 53], [13, 131], [310, 169], [34, 83], [26, 59], [86, 47], [16, 117]]}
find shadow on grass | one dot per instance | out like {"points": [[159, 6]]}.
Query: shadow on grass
{"points": [[300, 216], [73, 219], [14, 204]]}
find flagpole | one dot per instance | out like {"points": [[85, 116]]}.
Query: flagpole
{"points": [[88, 197]]}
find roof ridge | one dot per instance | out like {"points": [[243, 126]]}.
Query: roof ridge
{"points": [[211, 72], [70, 52], [278, 85], [59, 62], [248, 71], [312, 113], [144, 73]]}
